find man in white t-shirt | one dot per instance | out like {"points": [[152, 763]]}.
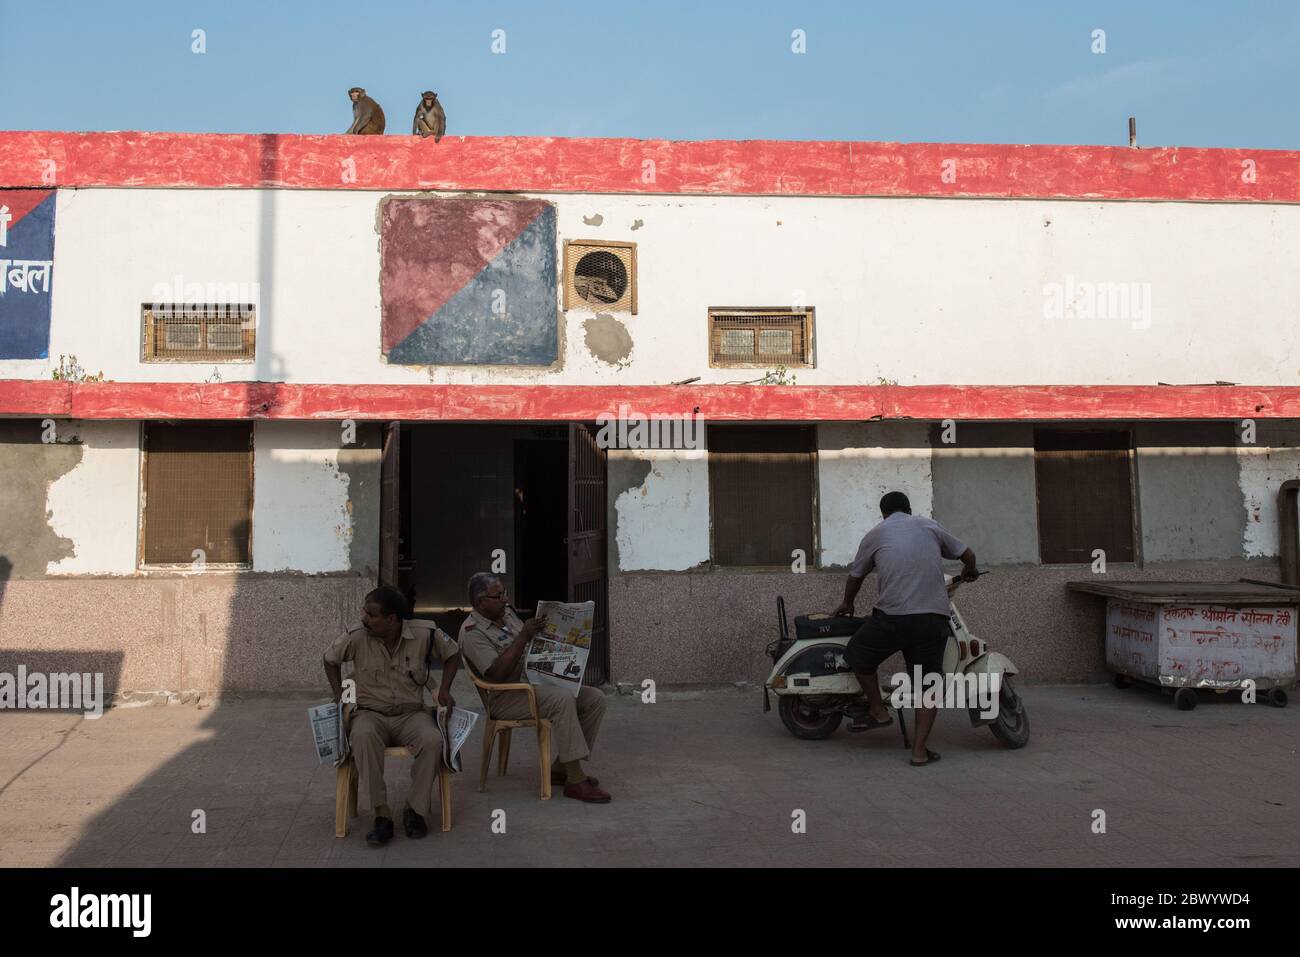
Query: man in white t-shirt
{"points": [[911, 613]]}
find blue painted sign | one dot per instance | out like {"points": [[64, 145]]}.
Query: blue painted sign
{"points": [[26, 272]]}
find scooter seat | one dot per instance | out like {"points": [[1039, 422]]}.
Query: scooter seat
{"points": [[826, 626]]}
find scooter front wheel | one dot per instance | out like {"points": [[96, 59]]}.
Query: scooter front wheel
{"points": [[1011, 726], [806, 720]]}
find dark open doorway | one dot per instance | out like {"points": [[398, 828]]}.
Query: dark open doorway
{"points": [[524, 501], [541, 496]]}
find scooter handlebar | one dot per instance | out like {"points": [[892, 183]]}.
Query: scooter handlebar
{"points": [[958, 580]]}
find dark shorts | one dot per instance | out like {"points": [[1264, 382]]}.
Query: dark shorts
{"points": [[921, 639]]}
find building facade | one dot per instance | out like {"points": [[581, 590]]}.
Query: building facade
{"points": [[244, 378]]}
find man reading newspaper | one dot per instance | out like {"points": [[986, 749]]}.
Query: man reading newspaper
{"points": [[494, 642], [391, 658]]}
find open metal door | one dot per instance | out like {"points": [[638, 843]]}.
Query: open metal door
{"points": [[390, 489], [586, 541]]}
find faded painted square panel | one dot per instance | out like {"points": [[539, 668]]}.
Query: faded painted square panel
{"points": [[468, 281]]}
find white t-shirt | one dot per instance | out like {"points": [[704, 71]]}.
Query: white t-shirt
{"points": [[906, 553]]}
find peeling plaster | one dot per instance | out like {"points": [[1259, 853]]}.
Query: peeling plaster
{"points": [[96, 504], [663, 523], [594, 220], [28, 468], [637, 224], [608, 339], [1262, 468], [360, 465]]}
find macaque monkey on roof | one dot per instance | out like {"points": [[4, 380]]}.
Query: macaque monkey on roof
{"points": [[430, 119], [367, 115]]}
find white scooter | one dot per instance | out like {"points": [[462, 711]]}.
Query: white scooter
{"points": [[816, 689]]}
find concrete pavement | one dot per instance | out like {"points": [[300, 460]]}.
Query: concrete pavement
{"points": [[699, 778]]}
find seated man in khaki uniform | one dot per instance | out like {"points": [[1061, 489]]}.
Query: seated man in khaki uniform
{"points": [[391, 658], [493, 641]]}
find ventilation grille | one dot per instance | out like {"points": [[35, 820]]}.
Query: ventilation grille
{"points": [[760, 337], [600, 276], [198, 332]]}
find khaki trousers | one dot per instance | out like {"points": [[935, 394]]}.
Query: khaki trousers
{"points": [[372, 732], [574, 722]]}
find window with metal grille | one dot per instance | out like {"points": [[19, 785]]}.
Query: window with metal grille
{"points": [[760, 337], [761, 493], [600, 275], [198, 493], [1085, 495], [198, 332]]}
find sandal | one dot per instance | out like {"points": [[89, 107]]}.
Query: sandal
{"points": [[931, 757], [868, 722]]}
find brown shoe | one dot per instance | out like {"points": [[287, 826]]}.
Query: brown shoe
{"points": [[558, 779], [588, 792]]}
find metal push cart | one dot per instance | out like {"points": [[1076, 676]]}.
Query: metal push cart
{"points": [[1220, 636]]}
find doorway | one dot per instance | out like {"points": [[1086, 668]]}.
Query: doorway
{"points": [[541, 499], [524, 501]]}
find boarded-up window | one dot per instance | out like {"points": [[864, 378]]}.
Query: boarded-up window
{"points": [[198, 492], [761, 490], [1085, 495]]}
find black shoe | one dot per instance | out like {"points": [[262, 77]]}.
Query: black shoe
{"points": [[414, 824], [381, 833]]}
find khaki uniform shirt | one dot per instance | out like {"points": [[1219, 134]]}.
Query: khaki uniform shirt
{"points": [[391, 684], [481, 641]]}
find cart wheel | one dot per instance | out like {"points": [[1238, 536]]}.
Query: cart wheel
{"points": [[1123, 681], [1276, 697], [1185, 699]]}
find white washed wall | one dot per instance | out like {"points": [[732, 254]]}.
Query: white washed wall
{"points": [[906, 290], [301, 520], [859, 462]]}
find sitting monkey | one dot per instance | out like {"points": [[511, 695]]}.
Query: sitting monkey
{"points": [[429, 117], [367, 115]]}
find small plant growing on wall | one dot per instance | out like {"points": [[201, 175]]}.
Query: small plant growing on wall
{"points": [[70, 370], [778, 376]]}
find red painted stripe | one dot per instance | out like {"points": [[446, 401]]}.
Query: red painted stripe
{"points": [[547, 164], [263, 400]]}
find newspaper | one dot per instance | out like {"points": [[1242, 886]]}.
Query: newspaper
{"points": [[557, 655], [327, 730], [455, 729]]}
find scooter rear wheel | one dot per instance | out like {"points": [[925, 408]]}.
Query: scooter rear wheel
{"points": [[1011, 726], [806, 721]]}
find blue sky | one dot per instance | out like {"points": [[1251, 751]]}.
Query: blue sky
{"points": [[1195, 73]]}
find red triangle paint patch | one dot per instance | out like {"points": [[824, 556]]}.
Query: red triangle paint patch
{"points": [[21, 202]]}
